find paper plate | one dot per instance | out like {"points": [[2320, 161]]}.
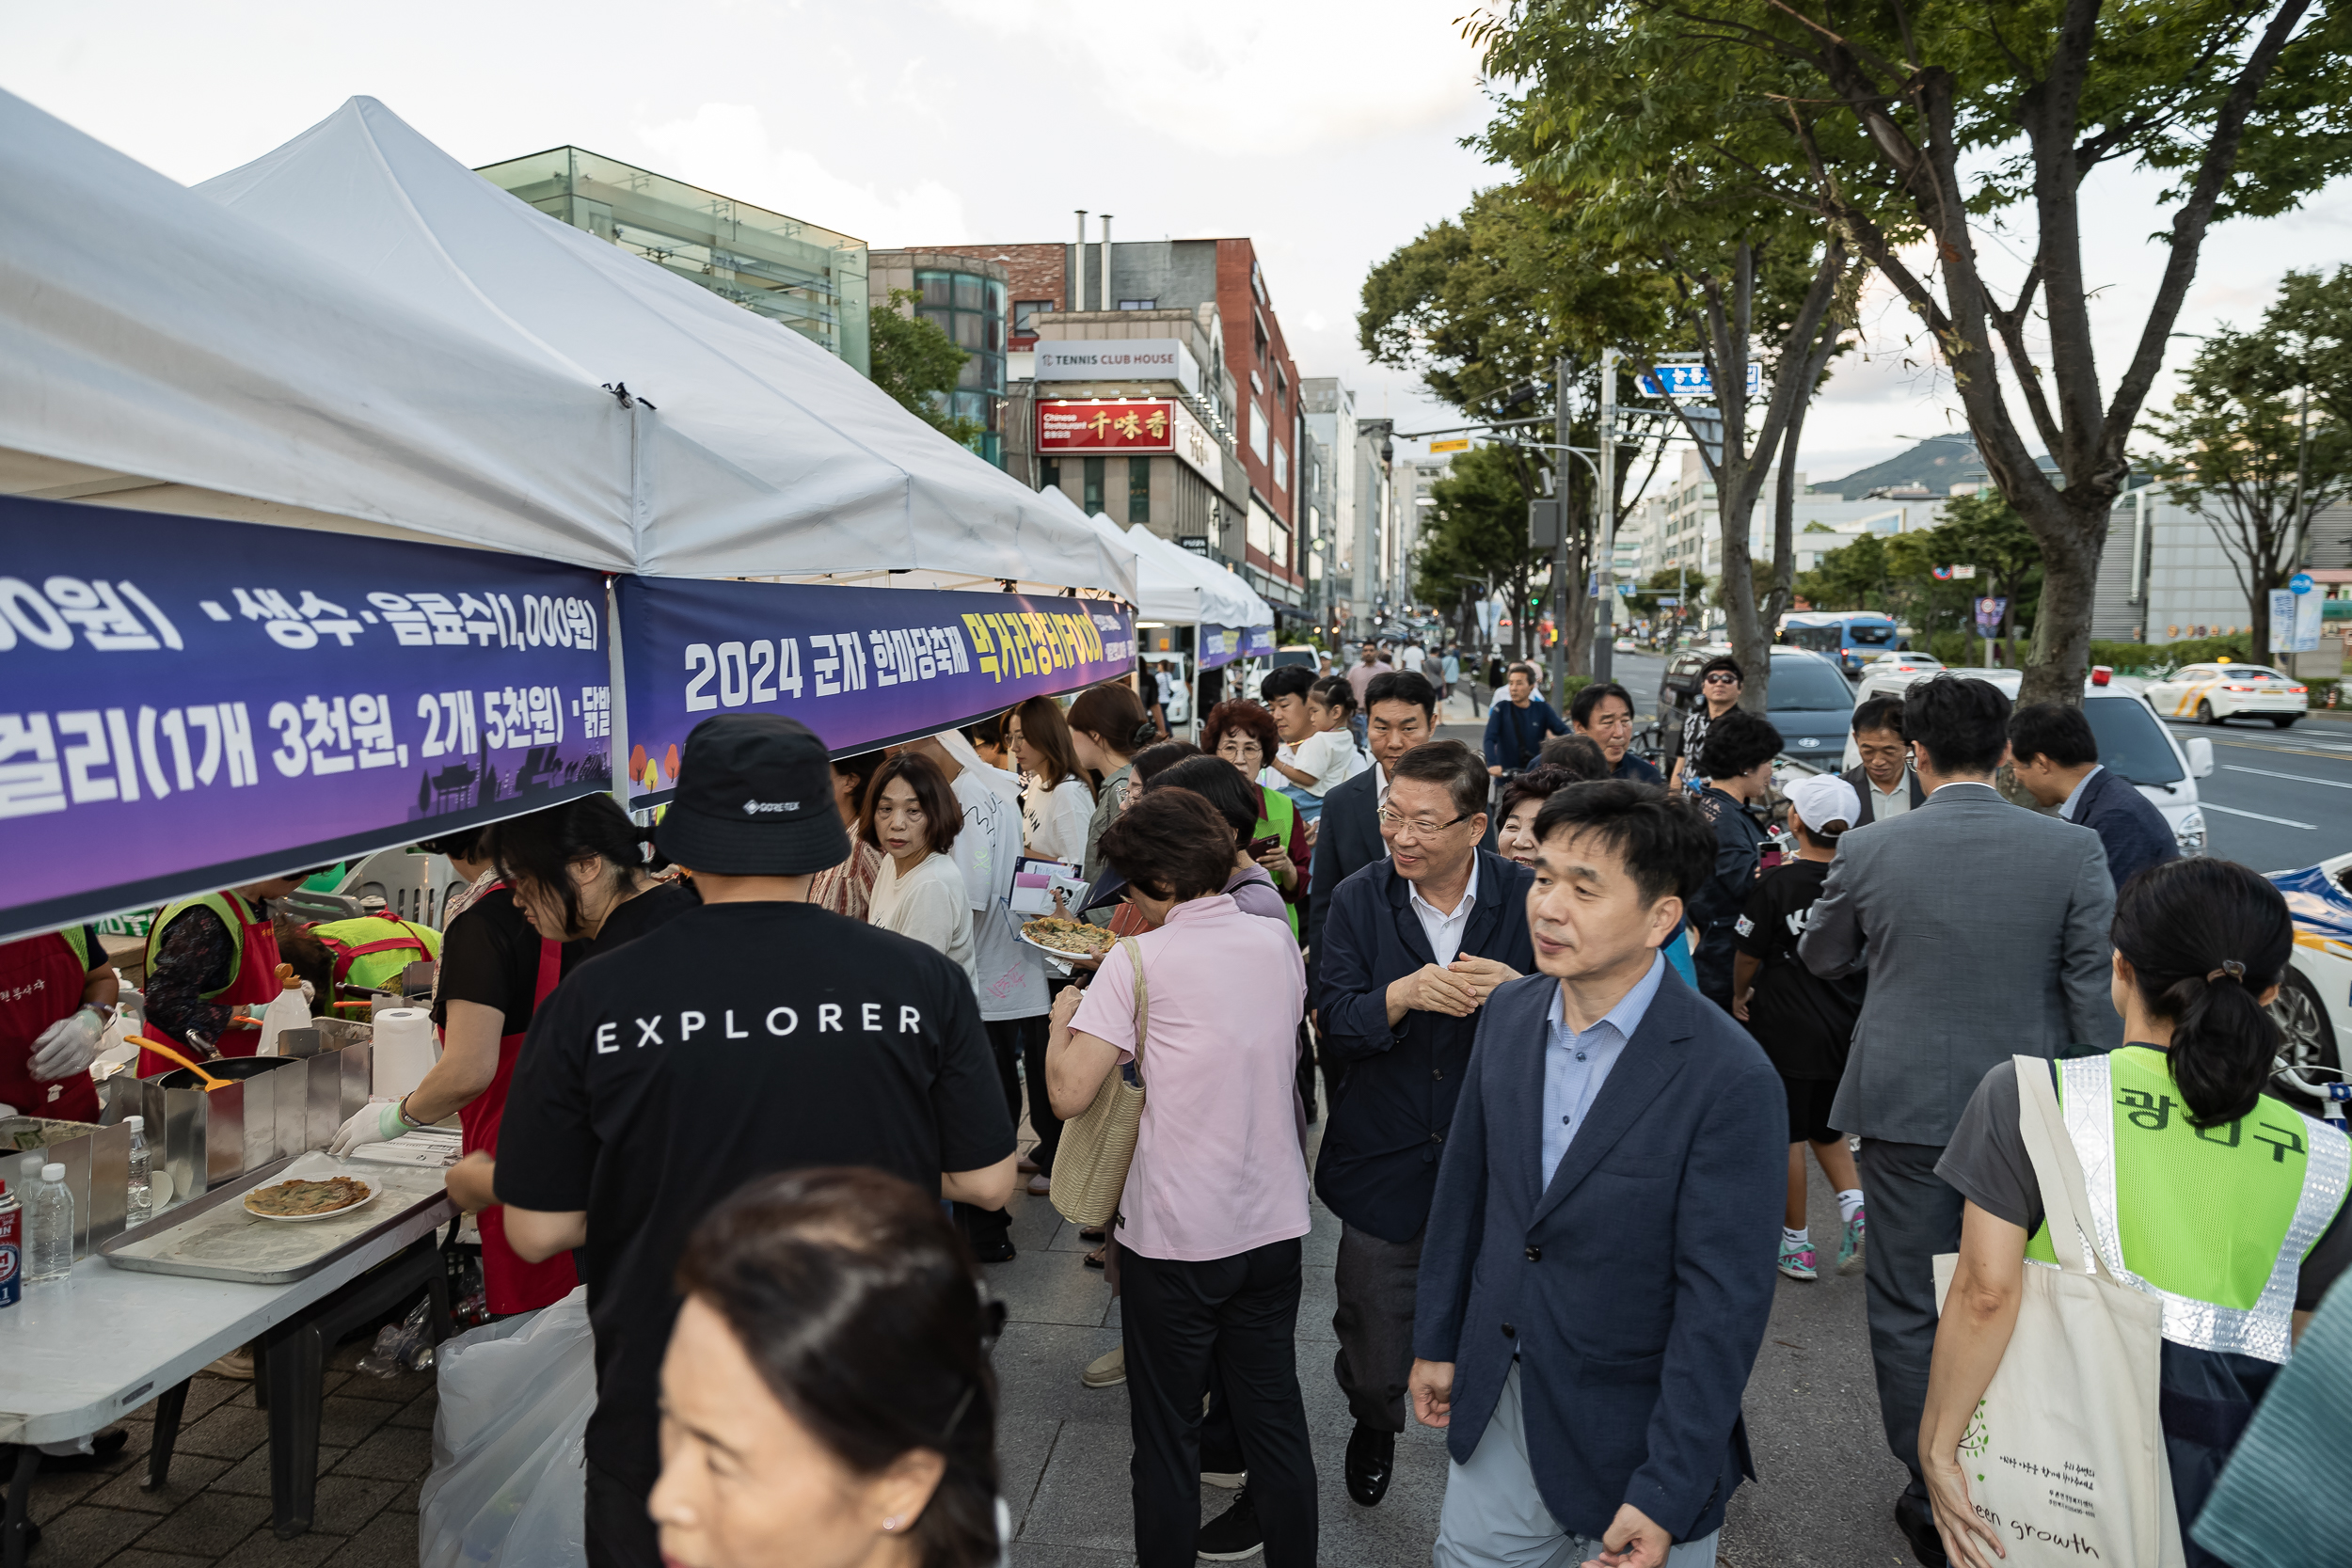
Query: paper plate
{"points": [[301, 1219]]}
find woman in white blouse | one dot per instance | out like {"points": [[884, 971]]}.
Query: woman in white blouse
{"points": [[1056, 797], [912, 817]]}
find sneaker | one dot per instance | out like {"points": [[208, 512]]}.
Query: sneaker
{"points": [[1233, 1535], [238, 1364], [1107, 1371], [1800, 1263], [1849, 1242]]}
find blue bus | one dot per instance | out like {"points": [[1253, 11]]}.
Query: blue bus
{"points": [[1852, 638]]}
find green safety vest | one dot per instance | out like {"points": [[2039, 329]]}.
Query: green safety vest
{"points": [[372, 950], [1281, 814], [2213, 1221], [73, 934], [232, 911]]}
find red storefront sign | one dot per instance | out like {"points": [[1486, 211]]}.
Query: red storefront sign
{"points": [[1127, 424]]}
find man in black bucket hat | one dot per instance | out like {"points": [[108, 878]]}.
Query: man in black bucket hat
{"points": [[756, 1033]]}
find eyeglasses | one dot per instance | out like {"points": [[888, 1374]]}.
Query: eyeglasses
{"points": [[1721, 678], [1420, 827]]}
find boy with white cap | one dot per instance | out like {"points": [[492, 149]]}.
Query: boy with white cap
{"points": [[1804, 1022]]}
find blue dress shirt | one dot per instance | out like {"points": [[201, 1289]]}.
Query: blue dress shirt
{"points": [[1576, 1064]]}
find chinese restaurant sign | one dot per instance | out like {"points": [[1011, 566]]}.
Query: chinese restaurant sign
{"points": [[1134, 424], [862, 667], [188, 703]]}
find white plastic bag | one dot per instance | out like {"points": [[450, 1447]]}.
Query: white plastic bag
{"points": [[509, 1487]]}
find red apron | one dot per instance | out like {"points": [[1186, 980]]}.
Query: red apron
{"points": [[40, 982], [255, 984], [511, 1284]]}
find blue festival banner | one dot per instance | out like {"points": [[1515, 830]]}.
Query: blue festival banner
{"points": [[1257, 642], [1220, 646], [862, 667], [189, 703]]}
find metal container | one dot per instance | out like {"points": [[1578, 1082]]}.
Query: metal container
{"points": [[211, 1136]]}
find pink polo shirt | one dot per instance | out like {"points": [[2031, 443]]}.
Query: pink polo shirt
{"points": [[1218, 1168]]}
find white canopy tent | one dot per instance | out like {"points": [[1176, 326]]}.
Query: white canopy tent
{"points": [[814, 473], [1233, 602], [158, 352], [1165, 591]]}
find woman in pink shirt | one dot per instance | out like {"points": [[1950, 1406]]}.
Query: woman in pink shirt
{"points": [[1216, 1200]]}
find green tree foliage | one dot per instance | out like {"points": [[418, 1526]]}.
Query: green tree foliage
{"points": [[917, 365], [1476, 534], [1895, 574], [2255, 443], [1980, 125]]}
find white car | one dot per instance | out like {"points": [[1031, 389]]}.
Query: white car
{"points": [[2313, 1008], [1901, 663], [1623, 644], [2217, 692], [2133, 741]]}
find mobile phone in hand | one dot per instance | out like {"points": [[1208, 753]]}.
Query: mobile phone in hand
{"points": [[1260, 846]]}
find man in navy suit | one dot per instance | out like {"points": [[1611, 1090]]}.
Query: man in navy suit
{"points": [[2055, 757], [1602, 1246], [1416, 943], [1402, 711]]}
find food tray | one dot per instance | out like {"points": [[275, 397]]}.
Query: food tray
{"points": [[213, 1237]]}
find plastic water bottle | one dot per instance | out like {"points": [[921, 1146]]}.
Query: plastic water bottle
{"points": [[140, 1208], [49, 1223]]}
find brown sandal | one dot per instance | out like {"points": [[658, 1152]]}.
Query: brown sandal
{"points": [[1094, 1258], [1090, 1233]]}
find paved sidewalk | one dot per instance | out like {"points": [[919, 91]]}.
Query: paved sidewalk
{"points": [[1826, 1490]]}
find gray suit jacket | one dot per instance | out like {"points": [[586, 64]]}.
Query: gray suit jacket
{"points": [[1983, 929]]}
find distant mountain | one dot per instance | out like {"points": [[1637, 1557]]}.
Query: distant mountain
{"points": [[1936, 464]]}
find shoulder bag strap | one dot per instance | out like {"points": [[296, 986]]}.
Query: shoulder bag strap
{"points": [[2065, 1196], [1143, 1000]]}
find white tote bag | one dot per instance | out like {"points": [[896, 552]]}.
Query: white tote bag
{"points": [[2064, 1456]]}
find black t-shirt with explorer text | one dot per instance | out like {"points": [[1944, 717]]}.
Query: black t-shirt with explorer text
{"points": [[731, 1042], [1805, 1023]]}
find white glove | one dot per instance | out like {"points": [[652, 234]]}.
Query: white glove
{"points": [[370, 1124], [66, 1047]]}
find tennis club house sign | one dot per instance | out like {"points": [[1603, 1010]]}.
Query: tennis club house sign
{"points": [[1118, 359]]}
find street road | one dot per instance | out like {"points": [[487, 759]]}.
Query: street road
{"points": [[2276, 798]]}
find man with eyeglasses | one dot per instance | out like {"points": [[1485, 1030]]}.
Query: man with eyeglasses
{"points": [[1414, 945], [1401, 712], [1603, 714]]}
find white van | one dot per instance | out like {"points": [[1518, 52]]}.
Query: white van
{"points": [[2134, 742]]}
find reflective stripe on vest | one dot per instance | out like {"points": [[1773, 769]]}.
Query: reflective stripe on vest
{"points": [[2265, 1194]]}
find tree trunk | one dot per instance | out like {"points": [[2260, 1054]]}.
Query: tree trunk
{"points": [[2072, 536]]}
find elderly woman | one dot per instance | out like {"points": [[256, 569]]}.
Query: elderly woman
{"points": [[826, 1396], [1244, 734], [1216, 1199]]}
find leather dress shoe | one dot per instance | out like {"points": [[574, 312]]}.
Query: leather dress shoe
{"points": [[1917, 1520], [1370, 1464]]}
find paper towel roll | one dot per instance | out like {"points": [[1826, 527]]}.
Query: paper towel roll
{"points": [[404, 1050]]}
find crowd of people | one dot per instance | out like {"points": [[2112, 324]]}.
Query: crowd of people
{"points": [[1571, 1028]]}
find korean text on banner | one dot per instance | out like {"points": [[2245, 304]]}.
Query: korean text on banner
{"points": [[862, 667], [1257, 642], [1220, 645], [190, 703]]}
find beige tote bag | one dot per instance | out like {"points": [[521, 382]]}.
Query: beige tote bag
{"points": [[2064, 1457], [1091, 1167]]}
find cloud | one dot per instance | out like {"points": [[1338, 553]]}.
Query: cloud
{"points": [[1243, 78], [727, 148]]}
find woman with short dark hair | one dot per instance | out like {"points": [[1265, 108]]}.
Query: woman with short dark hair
{"points": [[1216, 1199], [826, 1396], [911, 818], [1233, 800], [1244, 734]]}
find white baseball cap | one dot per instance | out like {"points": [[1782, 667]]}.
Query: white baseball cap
{"points": [[1822, 799]]}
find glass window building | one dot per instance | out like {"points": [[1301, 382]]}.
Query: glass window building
{"points": [[810, 278]]}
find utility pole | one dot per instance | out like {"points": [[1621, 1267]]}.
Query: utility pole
{"points": [[1605, 569], [1559, 598]]}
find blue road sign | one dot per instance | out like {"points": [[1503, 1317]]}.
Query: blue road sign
{"points": [[2300, 583], [1690, 379]]}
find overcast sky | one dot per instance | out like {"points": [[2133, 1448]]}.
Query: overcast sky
{"points": [[1327, 133]]}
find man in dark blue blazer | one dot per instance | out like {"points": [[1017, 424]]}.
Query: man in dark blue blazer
{"points": [[1401, 710], [2055, 757], [1599, 1266], [1416, 942]]}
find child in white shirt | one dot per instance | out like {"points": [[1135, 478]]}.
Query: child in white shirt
{"points": [[1317, 752]]}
